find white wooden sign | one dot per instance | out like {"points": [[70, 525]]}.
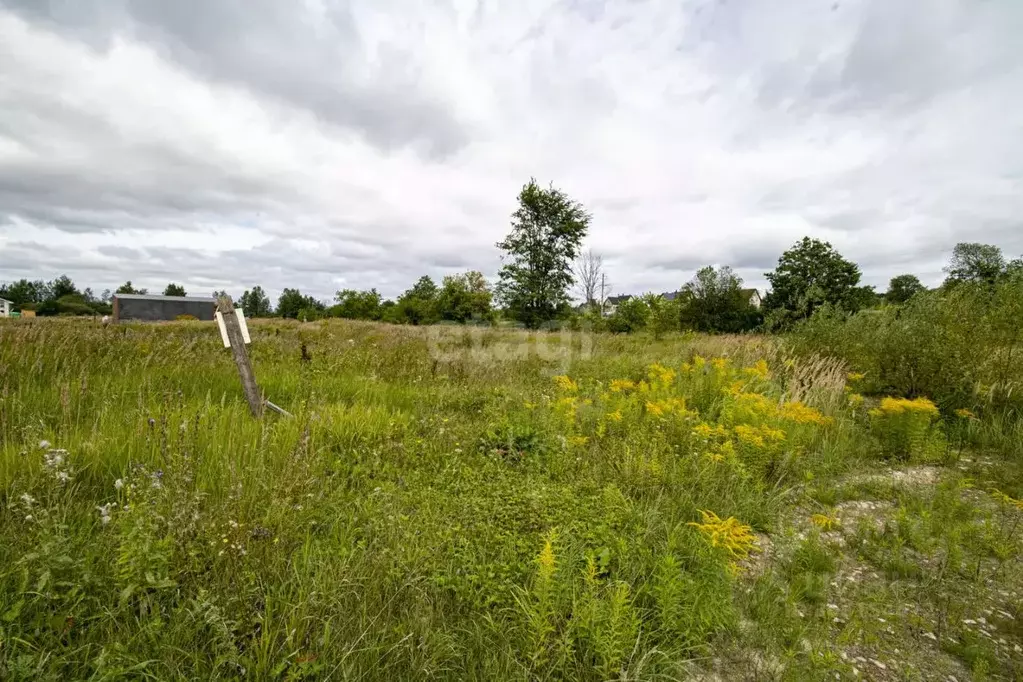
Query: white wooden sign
{"points": [[240, 314]]}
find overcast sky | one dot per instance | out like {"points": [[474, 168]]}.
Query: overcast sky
{"points": [[323, 144]]}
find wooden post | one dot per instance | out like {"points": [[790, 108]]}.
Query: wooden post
{"points": [[241, 356]]}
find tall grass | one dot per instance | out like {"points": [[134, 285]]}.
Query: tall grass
{"points": [[433, 510]]}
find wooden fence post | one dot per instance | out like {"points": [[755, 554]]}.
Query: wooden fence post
{"points": [[241, 356]]}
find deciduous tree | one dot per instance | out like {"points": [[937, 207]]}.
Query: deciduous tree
{"points": [[547, 230], [974, 262], [174, 290], [357, 305], [810, 274], [127, 288], [465, 297], [713, 301], [292, 303], [256, 303], [903, 288], [418, 305]]}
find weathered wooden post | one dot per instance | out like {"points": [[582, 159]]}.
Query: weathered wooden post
{"points": [[236, 340]]}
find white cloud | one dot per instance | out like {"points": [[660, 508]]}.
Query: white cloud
{"points": [[365, 143]]}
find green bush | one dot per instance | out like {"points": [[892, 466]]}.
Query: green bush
{"points": [[961, 347]]}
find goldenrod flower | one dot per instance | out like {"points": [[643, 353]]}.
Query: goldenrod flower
{"points": [[566, 384], [749, 435], [802, 414], [735, 537], [622, 385], [759, 370], [824, 522]]}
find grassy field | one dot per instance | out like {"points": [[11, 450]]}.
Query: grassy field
{"points": [[451, 503]]}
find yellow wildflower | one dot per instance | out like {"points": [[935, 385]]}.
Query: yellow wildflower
{"points": [[699, 362], [735, 537], [756, 403], [714, 456], [655, 409], [622, 385], [566, 384], [749, 435], [615, 416], [546, 561], [735, 388], [855, 376], [901, 405], [578, 441], [965, 413], [855, 400], [719, 364], [802, 414], [824, 522], [660, 375], [759, 370], [703, 430], [1006, 499]]}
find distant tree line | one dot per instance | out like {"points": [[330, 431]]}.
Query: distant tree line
{"points": [[543, 261]]}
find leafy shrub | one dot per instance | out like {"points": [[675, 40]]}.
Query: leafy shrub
{"points": [[961, 347], [630, 316]]}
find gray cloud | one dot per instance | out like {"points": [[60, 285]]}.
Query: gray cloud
{"points": [[281, 50], [326, 144]]}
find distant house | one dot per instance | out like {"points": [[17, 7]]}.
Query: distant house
{"points": [[151, 308], [753, 296], [612, 302], [6, 307]]}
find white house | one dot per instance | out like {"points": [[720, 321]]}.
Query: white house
{"points": [[753, 296], [6, 307]]}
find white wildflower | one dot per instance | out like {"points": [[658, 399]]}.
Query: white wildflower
{"points": [[28, 499], [118, 484], [104, 512], [44, 445]]}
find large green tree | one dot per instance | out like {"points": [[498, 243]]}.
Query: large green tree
{"points": [[25, 292], [418, 305], [713, 301], [903, 288], [547, 230], [974, 262], [465, 297], [809, 275], [357, 305], [256, 303], [61, 287], [293, 304], [127, 288], [174, 290]]}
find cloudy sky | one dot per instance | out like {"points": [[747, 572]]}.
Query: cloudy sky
{"points": [[323, 144]]}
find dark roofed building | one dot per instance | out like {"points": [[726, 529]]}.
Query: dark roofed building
{"points": [[151, 308]]}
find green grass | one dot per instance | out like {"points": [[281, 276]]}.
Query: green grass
{"points": [[439, 508]]}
